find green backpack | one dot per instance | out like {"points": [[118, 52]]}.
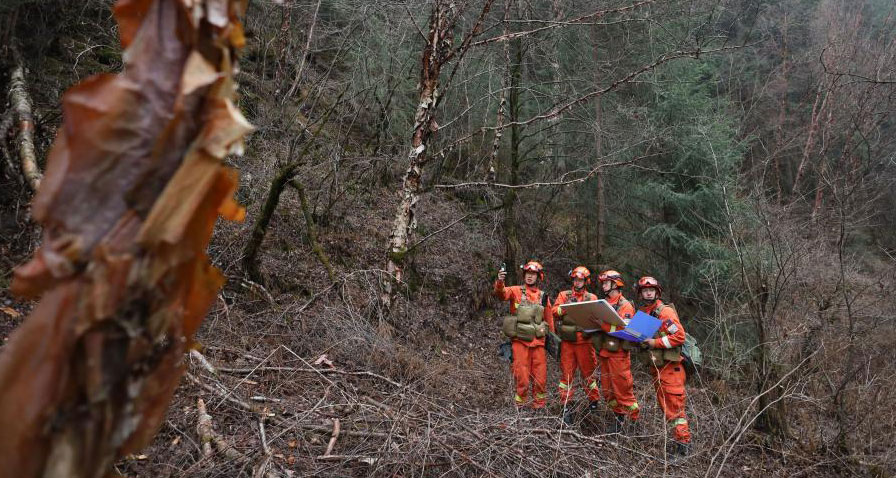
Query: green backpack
{"points": [[691, 355]]}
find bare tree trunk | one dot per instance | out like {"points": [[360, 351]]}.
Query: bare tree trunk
{"points": [[435, 54], [283, 40], [283, 177], [305, 52], [260, 228], [818, 107], [782, 115], [311, 227], [511, 233], [600, 235], [122, 270], [502, 104], [771, 418]]}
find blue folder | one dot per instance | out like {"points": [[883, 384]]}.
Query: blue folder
{"points": [[640, 328]]}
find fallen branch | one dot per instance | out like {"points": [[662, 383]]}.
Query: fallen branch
{"points": [[333, 437], [361, 458], [309, 370], [465, 457], [351, 433], [204, 429], [277, 418], [452, 223], [208, 436], [195, 354], [20, 102], [225, 395]]}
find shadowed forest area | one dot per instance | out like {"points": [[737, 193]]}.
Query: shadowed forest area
{"points": [[742, 152]]}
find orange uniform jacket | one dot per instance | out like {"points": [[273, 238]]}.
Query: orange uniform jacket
{"points": [[563, 298], [514, 294], [671, 333], [669, 379], [626, 311]]}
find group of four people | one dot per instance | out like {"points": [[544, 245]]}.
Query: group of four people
{"points": [[585, 350]]}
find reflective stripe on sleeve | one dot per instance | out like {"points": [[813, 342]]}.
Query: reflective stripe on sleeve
{"points": [[678, 421], [666, 343]]}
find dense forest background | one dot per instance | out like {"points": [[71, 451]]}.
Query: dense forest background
{"points": [[743, 152]]}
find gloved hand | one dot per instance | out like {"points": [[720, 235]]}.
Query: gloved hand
{"points": [[645, 345], [502, 275]]}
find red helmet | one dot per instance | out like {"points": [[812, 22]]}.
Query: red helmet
{"points": [[648, 281], [611, 275], [534, 266], [581, 272]]}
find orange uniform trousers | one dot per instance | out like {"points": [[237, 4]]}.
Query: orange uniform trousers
{"points": [[617, 384], [529, 366], [668, 381], [577, 355]]}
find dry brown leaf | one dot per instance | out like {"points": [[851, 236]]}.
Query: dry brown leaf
{"points": [[10, 312], [323, 359]]}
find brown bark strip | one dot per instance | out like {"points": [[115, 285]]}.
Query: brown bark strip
{"points": [[20, 102], [133, 187]]}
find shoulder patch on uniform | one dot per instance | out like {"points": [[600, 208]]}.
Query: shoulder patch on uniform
{"points": [[671, 326]]}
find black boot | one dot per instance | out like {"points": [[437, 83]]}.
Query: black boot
{"points": [[680, 452], [593, 406], [616, 426], [567, 417]]}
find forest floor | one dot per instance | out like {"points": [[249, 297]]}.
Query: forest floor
{"points": [[425, 395]]}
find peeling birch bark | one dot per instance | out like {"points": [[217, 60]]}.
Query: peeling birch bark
{"points": [[133, 187], [437, 51]]}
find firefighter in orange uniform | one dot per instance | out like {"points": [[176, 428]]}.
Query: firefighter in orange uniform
{"points": [[663, 356], [576, 351], [617, 384], [532, 317]]}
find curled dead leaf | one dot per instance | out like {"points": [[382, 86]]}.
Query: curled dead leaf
{"points": [[10, 312]]}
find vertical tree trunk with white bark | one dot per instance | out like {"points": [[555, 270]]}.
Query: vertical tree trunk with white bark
{"points": [[436, 52]]}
